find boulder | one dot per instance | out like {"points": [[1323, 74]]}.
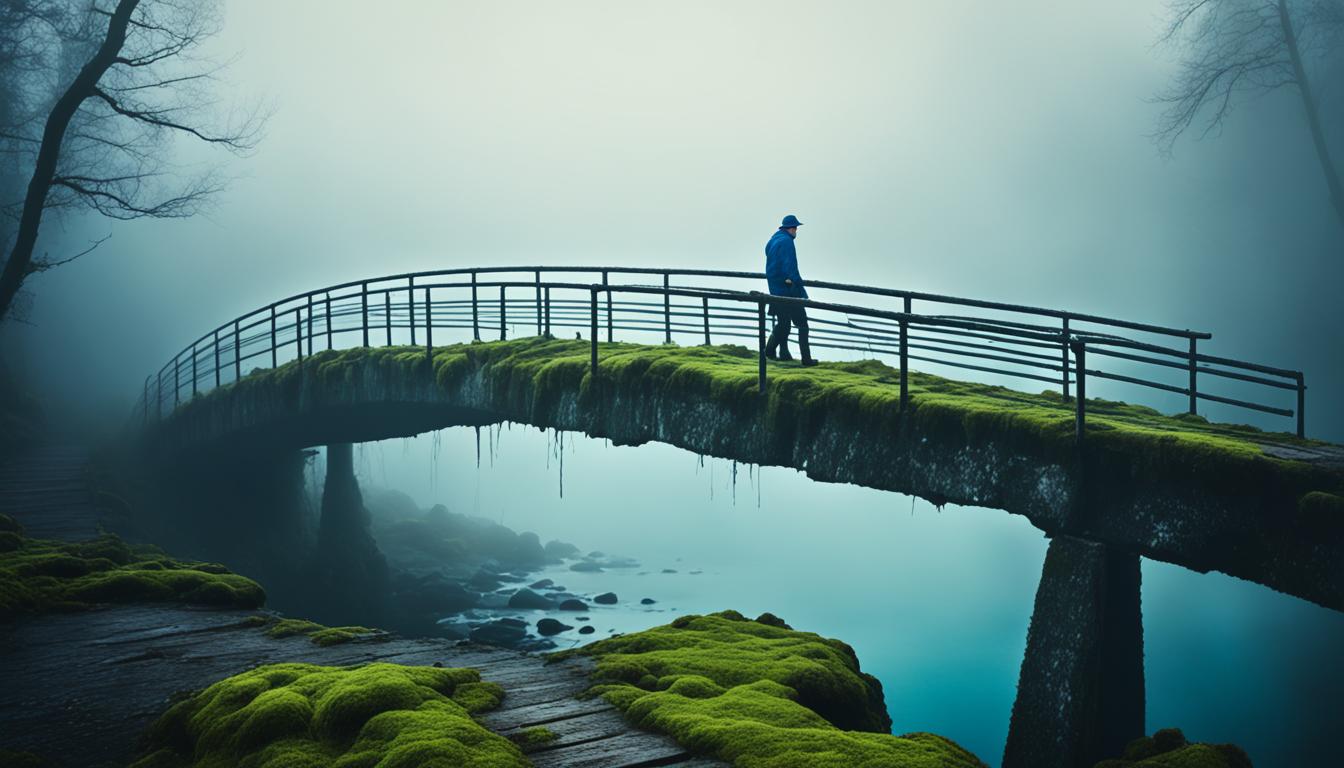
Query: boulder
{"points": [[647, 601], [586, 629], [548, 627], [573, 605], [586, 566], [559, 550], [527, 599], [606, 598], [502, 632], [544, 583]]}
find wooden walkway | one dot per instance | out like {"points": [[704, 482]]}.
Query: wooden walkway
{"points": [[80, 688]]}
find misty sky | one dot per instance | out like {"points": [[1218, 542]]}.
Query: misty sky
{"points": [[983, 149]]}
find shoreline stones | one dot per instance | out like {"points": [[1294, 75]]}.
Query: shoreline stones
{"points": [[573, 604], [527, 599], [606, 598], [547, 627]]}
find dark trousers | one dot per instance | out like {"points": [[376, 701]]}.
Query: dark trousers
{"points": [[787, 315]]}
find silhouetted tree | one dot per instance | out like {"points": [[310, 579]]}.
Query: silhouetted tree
{"points": [[130, 83], [1235, 48]]}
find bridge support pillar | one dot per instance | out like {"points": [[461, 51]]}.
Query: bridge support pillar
{"points": [[353, 571], [1080, 696]]}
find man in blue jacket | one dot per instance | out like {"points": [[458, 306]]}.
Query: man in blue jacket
{"points": [[781, 272]]}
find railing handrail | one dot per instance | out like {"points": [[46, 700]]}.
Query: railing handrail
{"points": [[882, 335]]}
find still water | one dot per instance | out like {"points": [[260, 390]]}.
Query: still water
{"points": [[936, 603]]}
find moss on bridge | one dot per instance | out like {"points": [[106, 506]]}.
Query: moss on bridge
{"points": [[539, 371]]}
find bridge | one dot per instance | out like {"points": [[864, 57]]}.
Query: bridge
{"points": [[639, 355]]}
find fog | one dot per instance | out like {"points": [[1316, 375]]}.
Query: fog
{"points": [[991, 150]]}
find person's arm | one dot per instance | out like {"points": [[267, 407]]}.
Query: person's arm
{"points": [[791, 266]]}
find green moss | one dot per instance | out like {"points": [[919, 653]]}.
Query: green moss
{"points": [[1168, 749], [532, 373], [531, 739], [759, 694], [318, 633], [38, 576], [384, 715]]}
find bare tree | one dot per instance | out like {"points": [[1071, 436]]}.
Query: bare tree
{"points": [[1236, 48], [104, 141]]}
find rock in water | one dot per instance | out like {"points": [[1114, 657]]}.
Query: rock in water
{"points": [[606, 598], [548, 627], [544, 583], [647, 601], [586, 566], [503, 632], [586, 629], [526, 598], [573, 605]]}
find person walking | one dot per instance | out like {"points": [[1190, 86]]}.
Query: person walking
{"points": [[781, 273]]}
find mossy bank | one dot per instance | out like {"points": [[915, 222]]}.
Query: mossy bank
{"points": [[38, 576], [1178, 489], [759, 694]]}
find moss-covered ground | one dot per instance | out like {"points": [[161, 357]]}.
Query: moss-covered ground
{"points": [[305, 716], [319, 634], [539, 370], [758, 694], [1168, 749], [38, 576]]}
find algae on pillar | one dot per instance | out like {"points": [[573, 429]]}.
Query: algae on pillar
{"points": [[1080, 697], [352, 571]]}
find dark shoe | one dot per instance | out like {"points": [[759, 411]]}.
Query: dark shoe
{"points": [[808, 362], [786, 357], [770, 355]]}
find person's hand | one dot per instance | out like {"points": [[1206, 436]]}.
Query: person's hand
{"points": [[788, 281]]}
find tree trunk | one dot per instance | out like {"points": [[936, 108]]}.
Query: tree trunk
{"points": [[1313, 118], [20, 260]]}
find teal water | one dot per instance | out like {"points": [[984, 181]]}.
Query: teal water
{"points": [[935, 602]]}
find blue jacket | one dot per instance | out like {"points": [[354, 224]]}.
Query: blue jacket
{"points": [[781, 262]]}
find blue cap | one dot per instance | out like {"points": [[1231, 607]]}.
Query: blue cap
{"points": [[790, 221]]}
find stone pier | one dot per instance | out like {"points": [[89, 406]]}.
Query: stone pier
{"points": [[351, 570], [1080, 695]]}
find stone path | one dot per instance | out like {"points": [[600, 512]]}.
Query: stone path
{"points": [[80, 688]]}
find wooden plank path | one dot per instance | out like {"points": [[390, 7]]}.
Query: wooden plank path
{"points": [[81, 688]]}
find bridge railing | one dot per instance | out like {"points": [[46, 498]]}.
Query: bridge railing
{"points": [[1026, 343]]}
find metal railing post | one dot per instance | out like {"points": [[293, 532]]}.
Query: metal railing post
{"points": [[364, 311], [310, 325], [475, 318], [298, 335], [548, 310], [158, 397], [592, 332], [704, 301], [905, 355], [503, 308], [145, 400], [760, 344], [1080, 365], [1064, 360], [410, 307], [387, 315], [604, 287], [429, 326], [177, 380], [537, 275], [1301, 406], [1193, 394], [274, 358], [667, 309], [194, 355], [237, 352], [328, 303], [216, 345]]}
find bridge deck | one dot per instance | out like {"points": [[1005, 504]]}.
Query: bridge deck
{"points": [[81, 687]]}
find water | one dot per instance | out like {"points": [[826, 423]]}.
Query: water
{"points": [[935, 603]]}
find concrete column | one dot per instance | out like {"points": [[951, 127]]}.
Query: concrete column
{"points": [[1080, 696]]}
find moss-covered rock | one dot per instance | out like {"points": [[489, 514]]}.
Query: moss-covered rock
{"points": [[1168, 748], [532, 739], [320, 634], [384, 715], [759, 694], [38, 576]]}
